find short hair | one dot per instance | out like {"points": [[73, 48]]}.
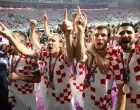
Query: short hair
{"points": [[104, 27], [21, 34], [91, 27], [126, 24]]}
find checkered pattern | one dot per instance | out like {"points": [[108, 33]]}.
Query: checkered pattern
{"points": [[134, 96], [44, 68], [78, 86], [24, 89], [43, 72], [115, 63], [134, 100], [41, 65], [7, 48], [29, 44], [104, 102], [11, 98], [64, 96], [99, 91], [24, 67], [43, 47], [78, 81], [62, 71]]}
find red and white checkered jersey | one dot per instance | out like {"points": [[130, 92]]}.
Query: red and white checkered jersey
{"points": [[61, 77], [25, 66], [43, 47], [41, 65], [133, 99], [98, 94], [77, 85], [7, 48], [29, 44], [43, 70]]}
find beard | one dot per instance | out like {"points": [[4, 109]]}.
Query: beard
{"points": [[126, 42]]}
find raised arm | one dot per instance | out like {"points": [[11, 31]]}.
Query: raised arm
{"points": [[66, 28], [80, 23], [34, 36], [74, 15], [20, 47], [45, 22]]}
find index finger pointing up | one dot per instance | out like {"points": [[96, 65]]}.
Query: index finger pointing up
{"points": [[45, 14], [79, 10], [65, 14], [2, 26]]}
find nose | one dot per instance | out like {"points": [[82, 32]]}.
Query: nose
{"points": [[50, 42], [99, 37], [125, 34]]}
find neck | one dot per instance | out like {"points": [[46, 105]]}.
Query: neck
{"points": [[102, 52], [55, 55]]}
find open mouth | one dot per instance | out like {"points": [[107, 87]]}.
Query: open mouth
{"points": [[49, 48], [126, 41], [99, 43]]}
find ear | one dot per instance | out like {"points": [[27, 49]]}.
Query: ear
{"points": [[61, 45], [23, 42]]}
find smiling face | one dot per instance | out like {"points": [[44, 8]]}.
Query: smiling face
{"points": [[101, 39], [126, 37]]}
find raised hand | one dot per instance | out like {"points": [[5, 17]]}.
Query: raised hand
{"points": [[102, 64], [81, 20], [99, 60], [33, 23], [4, 31], [44, 18], [66, 26], [38, 36], [74, 15]]}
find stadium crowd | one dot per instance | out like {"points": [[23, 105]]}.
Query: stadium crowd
{"points": [[14, 19]]}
